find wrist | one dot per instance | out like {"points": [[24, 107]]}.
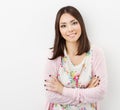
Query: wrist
{"points": [[61, 90]]}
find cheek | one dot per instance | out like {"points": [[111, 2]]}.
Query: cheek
{"points": [[78, 29], [62, 32]]}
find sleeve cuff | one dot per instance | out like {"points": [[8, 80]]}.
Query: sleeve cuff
{"points": [[68, 92]]}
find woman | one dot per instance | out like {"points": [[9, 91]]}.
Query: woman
{"points": [[75, 77]]}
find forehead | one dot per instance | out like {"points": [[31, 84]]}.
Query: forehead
{"points": [[66, 17]]}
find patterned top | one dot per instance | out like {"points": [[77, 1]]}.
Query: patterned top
{"points": [[75, 76]]}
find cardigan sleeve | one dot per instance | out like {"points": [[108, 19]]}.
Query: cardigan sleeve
{"points": [[91, 95], [51, 68]]}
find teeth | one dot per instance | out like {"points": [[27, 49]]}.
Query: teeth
{"points": [[71, 35]]}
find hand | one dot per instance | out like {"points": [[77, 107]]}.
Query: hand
{"points": [[53, 84], [95, 81]]}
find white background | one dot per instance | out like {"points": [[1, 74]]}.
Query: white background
{"points": [[27, 31]]}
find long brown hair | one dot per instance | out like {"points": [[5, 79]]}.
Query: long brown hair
{"points": [[59, 42]]}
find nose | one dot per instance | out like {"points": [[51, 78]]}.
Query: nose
{"points": [[70, 28]]}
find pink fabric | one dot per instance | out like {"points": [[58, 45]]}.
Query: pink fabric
{"points": [[73, 96]]}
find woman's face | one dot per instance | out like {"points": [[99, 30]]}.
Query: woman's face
{"points": [[69, 27]]}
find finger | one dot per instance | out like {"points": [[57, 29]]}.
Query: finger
{"points": [[97, 83], [50, 80], [48, 84], [95, 78], [93, 81], [51, 89], [54, 77]]}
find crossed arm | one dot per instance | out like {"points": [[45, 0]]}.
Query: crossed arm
{"points": [[57, 93]]}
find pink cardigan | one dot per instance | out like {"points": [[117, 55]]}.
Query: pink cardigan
{"points": [[74, 96]]}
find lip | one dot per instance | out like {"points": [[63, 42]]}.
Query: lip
{"points": [[71, 35]]}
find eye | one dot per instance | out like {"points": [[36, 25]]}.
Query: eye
{"points": [[63, 26], [75, 22]]}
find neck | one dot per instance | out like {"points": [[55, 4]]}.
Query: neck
{"points": [[71, 48]]}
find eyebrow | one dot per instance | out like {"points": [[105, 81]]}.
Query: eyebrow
{"points": [[70, 21]]}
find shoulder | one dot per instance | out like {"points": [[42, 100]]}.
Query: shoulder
{"points": [[97, 53], [97, 50], [50, 54]]}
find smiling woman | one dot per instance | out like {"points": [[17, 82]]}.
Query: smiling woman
{"points": [[75, 73], [70, 28]]}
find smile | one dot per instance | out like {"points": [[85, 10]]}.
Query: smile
{"points": [[72, 35]]}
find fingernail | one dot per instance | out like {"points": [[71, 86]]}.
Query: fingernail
{"points": [[46, 89], [99, 80], [45, 80], [44, 84], [95, 75], [49, 75], [98, 83]]}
